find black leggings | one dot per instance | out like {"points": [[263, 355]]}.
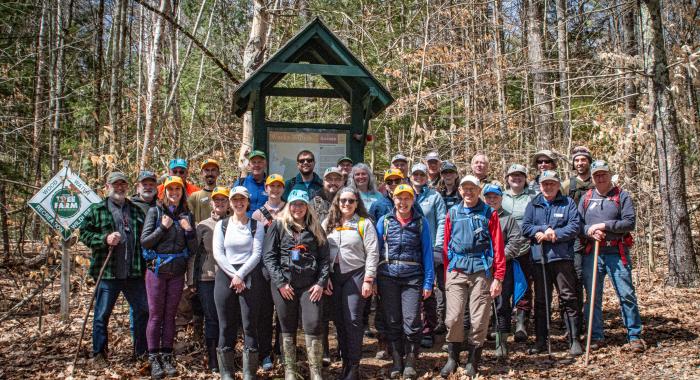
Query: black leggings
{"points": [[234, 309], [348, 306], [288, 311]]}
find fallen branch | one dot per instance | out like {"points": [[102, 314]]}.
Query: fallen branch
{"points": [[30, 296]]}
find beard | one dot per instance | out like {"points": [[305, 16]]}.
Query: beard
{"points": [[117, 198], [147, 195]]}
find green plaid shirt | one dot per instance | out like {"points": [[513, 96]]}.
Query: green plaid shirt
{"points": [[93, 233]]}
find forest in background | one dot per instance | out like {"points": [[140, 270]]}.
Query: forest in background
{"points": [[129, 84]]}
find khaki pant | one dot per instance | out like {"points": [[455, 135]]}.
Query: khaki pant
{"points": [[461, 288]]}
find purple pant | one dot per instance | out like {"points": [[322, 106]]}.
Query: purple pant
{"points": [[163, 292]]}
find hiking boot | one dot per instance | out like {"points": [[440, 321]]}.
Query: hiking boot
{"points": [[289, 352], [471, 368], [99, 360], [397, 361], [501, 346], [453, 351], [597, 344], [426, 341], [314, 354], [351, 371], [225, 358], [168, 362], [520, 326], [409, 370], [637, 346], [539, 347], [212, 360], [384, 349], [250, 364], [156, 368], [267, 364]]}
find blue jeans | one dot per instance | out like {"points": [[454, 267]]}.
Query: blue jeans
{"points": [[134, 291], [621, 278]]}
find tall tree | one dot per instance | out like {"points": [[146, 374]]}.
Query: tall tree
{"points": [[252, 58], [542, 107], [682, 264], [563, 59]]}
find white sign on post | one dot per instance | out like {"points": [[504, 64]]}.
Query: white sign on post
{"points": [[64, 201]]}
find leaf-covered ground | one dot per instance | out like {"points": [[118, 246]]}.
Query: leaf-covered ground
{"points": [[671, 319]]}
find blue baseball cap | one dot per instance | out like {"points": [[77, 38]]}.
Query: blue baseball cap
{"points": [[494, 189], [298, 195], [178, 163]]}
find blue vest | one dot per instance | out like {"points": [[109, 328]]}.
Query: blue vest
{"points": [[470, 249], [402, 243]]}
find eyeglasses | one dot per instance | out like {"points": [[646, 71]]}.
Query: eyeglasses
{"points": [[305, 160], [349, 201], [393, 181], [539, 162]]}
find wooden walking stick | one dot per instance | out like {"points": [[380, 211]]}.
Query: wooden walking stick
{"points": [[591, 300], [92, 300]]}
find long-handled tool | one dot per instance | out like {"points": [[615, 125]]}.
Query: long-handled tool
{"points": [[547, 305], [591, 300], [92, 301]]}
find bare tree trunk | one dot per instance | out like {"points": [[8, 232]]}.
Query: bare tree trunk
{"points": [[201, 69], [39, 92], [252, 58], [682, 264], [116, 65], [563, 53], [630, 51], [58, 90], [500, 86], [97, 83], [4, 221], [542, 107], [152, 86], [139, 86]]}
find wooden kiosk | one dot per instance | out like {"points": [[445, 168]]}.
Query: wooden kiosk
{"points": [[314, 50]]}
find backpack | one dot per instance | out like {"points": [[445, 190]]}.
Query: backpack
{"points": [[253, 226], [361, 226], [161, 259], [478, 235], [627, 239], [574, 191]]}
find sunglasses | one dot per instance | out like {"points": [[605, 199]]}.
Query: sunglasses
{"points": [[178, 172], [393, 181], [349, 201], [305, 160], [544, 162]]}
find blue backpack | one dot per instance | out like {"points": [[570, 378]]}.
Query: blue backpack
{"points": [[474, 240]]}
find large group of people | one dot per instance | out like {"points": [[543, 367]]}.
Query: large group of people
{"points": [[430, 251]]}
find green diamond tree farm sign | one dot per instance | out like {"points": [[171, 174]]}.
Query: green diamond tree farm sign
{"points": [[64, 201]]}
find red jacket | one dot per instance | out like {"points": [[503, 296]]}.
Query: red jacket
{"points": [[499, 256]]}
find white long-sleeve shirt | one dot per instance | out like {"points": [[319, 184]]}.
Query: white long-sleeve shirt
{"points": [[238, 247]]}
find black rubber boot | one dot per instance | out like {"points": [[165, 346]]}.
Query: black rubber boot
{"points": [[250, 364], [539, 347], [409, 370], [326, 346], [156, 369], [520, 326], [212, 360], [471, 369], [225, 357], [501, 346], [575, 348], [168, 361], [453, 351], [397, 359], [352, 372]]}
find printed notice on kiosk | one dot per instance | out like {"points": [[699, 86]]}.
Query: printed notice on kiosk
{"points": [[328, 146]]}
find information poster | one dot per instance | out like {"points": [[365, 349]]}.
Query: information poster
{"points": [[328, 146]]}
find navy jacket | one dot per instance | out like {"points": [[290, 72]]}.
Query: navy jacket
{"points": [[297, 182], [381, 207], [562, 216], [409, 243]]}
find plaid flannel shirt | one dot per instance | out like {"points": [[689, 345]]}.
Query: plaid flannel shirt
{"points": [[93, 233]]}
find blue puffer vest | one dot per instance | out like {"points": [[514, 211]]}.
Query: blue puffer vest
{"points": [[402, 244], [470, 249]]}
